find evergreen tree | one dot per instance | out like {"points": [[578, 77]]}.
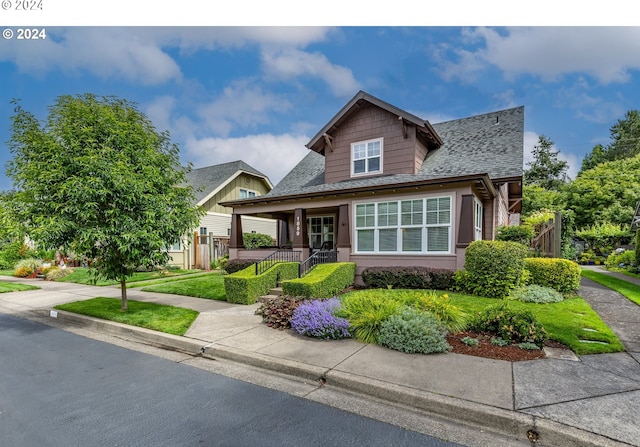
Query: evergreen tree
{"points": [[546, 170]]}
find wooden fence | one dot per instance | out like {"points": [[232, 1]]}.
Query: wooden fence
{"points": [[549, 240]]}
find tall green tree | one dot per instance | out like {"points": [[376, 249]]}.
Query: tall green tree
{"points": [[625, 142], [97, 179], [546, 169], [626, 137], [597, 155], [606, 193]]}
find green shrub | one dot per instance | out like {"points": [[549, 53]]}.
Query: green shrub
{"points": [[414, 331], [277, 312], [617, 260], [499, 341], [537, 294], [470, 341], [439, 305], [324, 281], [512, 325], [515, 233], [493, 268], [236, 265], [256, 240], [416, 277], [559, 274], [244, 287], [10, 254], [366, 311]]}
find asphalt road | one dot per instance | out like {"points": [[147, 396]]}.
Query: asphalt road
{"points": [[61, 389]]}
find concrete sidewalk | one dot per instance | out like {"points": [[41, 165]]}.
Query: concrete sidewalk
{"points": [[589, 401]]}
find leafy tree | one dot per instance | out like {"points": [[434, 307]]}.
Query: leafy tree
{"points": [[546, 170], [535, 198], [97, 179], [604, 237], [606, 193]]}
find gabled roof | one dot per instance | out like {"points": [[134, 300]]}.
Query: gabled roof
{"points": [[209, 180], [488, 146], [425, 130]]}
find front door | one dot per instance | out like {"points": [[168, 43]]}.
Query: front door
{"points": [[321, 229]]}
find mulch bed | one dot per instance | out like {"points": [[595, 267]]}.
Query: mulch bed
{"points": [[486, 349]]}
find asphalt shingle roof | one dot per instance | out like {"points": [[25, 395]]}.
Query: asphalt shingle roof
{"points": [[204, 180], [490, 144]]}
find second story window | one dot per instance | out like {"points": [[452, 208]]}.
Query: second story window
{"points": [[366, 157]]}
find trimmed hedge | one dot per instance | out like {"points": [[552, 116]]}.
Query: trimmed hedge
{"points": [[493, 268], [559, 274], [416, 277], [235, 265], [244, 287], [324, 281]]}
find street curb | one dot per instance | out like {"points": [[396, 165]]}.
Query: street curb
{"points": [[134, 333], [505, 422], [288, 367]]}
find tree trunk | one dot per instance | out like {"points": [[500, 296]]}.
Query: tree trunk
{"points": [[123, 289]]}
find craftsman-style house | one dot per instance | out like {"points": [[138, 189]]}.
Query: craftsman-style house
{"points": [[386, 188]]}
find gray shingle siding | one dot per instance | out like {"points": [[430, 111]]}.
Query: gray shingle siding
{"points": [[490, 144]]}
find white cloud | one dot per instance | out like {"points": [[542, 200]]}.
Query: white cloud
{"points": [[290, 63], [241, 105], [606, 53], [273, 155], [103, 52], [139, 55]]}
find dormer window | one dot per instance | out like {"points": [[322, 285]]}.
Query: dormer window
{"points": [[366, 157]]}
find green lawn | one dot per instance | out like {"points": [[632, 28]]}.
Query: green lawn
{"points": [[12, 287], [159, 317], [82, 275], [629, 290], [564, 322], [209, 286]]}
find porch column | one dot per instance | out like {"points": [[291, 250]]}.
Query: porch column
{"points": [[235, 238], [343, 237], [466, 224], [300, 235]]}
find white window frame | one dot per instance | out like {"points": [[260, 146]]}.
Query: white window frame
{"points": [[418, 221], [478, 218], [328, 236], [249, 193], [366, 157]]}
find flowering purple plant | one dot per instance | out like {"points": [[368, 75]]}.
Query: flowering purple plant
{"points": [[316, 318]]}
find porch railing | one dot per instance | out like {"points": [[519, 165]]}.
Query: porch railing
{"points": [[319, 257], [277, 256]]}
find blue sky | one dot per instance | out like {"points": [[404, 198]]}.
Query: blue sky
{"points": [[260, 93]]}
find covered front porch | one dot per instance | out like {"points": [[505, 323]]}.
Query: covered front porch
{"points": [[304, 230]]}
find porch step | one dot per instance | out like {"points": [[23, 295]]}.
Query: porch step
{"points": [[277, 291]]}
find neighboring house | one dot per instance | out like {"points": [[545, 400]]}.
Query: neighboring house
{"points": [[213, 184], [386, 188]]}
